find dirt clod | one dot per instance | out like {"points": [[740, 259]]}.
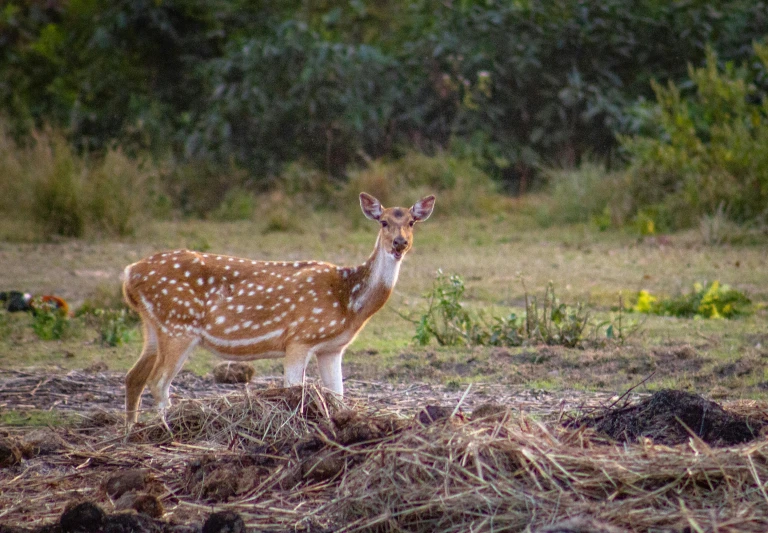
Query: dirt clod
{"points": [[353, 427], [218, 480], [490, 411], [82, 517], [134, 480], [233, 373], [322, 467], [10, 454], [42, 442], [141, 503], [131, 523], [669, 416], [224, 522], [434, 413]]}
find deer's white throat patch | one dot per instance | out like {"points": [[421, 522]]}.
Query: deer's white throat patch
{"points": [[385, 268]]}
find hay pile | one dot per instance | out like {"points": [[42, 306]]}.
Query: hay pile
{"points": [[301, 460], [509, 477]]}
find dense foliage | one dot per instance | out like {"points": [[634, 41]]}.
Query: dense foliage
{"points": [[706, 152], [259, 84]]}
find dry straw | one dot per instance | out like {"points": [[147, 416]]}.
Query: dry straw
{"points": [[509, 477], [506, 472]]}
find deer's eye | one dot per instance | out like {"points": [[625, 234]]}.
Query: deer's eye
{"points": [[384, 224], [411, 223]]}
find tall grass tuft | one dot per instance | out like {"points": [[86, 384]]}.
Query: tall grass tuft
{"points": [[461, 187], [57, 183], [117, 194], [67, 194], [582, 194]]}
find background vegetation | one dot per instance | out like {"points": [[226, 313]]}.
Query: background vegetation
{"points": [[198, 105]]}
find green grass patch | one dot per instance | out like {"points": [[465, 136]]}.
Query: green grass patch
{"points": [[704, 301], [36, 418]]}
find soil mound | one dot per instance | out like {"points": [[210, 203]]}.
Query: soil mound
{"points": [[213, 479], [233, 372], [670, 417]]}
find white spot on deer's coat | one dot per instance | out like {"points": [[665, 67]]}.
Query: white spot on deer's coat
{"points": [[220, 319], [317, 310], [239, 308], [200, 281]]}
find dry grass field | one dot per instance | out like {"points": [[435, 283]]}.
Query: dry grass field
{"points": [[430, 438]]}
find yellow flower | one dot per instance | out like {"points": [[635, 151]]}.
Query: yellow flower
{"points": [[644, 302]]}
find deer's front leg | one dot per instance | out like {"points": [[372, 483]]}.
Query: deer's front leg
{"points": [[329, 364], [295, 364]]}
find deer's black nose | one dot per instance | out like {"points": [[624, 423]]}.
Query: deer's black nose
{"points": [[399, 243]]}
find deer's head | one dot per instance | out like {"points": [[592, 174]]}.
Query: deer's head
{"points": [[396, 233]]}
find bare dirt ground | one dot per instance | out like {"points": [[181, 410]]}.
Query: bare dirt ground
{"points": [[292, 460]]}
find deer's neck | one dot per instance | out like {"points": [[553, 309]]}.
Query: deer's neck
{"points": [[371, 283]]}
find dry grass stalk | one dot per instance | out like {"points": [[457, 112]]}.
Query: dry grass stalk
{"points": [[467, 479], [250, 418], [508, 473]]}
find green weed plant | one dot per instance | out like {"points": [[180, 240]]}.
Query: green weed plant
{"points": [[116, 327], [50, 322], [550, 321], [712, 300], [450, 323]]}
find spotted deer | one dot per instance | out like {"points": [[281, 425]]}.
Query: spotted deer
{"points": [[243, 310]]}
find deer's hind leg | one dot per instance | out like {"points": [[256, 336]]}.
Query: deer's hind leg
{"points": [[137, 376], [172, 352]]}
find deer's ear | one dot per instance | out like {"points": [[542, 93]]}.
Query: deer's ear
{"points": [[423, 208], [371, 206]]}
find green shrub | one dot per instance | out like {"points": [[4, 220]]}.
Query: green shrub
{"points": [[117, 194], [5, 325], [583, 194], [196, 187], [116, 327], [706, 301], [49, 322], [70, 195], [445, 319], [57, 185], [553, 322], [449, 323], [236, 205], [708, 153]]}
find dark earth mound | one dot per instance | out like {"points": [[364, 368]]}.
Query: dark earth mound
{"points": [[87, 517], [670, 417]]}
